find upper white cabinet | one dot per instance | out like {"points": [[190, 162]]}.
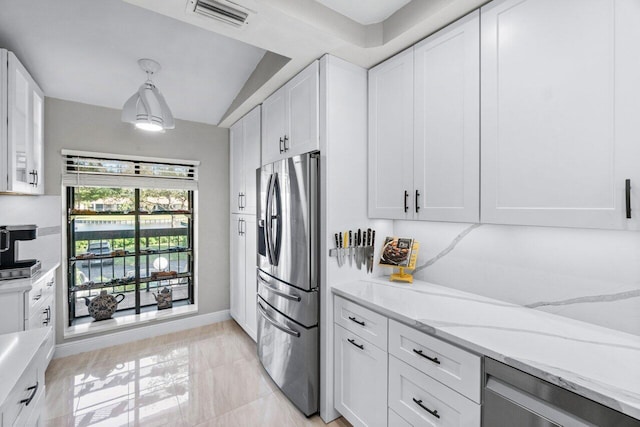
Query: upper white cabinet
{"points": [[21, 128], [560, 113], [446, 124], [290, 117], [245, 159], [391, 137], [424, 129]]}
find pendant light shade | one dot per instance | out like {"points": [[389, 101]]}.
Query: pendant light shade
{"points": [[147, 108]]}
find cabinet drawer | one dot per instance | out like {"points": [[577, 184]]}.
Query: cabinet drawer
{"points": [[16, 401], [41, 315], [360, 380], [361, 321], [423, 401], [396, 420], [40, 290], [452, 366]]}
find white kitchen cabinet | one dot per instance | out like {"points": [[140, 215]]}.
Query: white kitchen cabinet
{"points": [[391, 137], [245, 159], [420, 381], [360, 379], [243, 286], [22, 128], [446, 145], [424, 129], [290, 124], [23, 365], [30, 304], [560, 102]]}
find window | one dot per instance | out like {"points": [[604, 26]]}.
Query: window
{"points": [[134, 240]]}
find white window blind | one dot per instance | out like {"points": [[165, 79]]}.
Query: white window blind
{"points": [[82, 168]]}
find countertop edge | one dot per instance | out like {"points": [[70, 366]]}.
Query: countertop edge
{"points": [[522, 365]]}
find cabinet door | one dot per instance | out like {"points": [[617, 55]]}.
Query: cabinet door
{"points": [[236, 154], [21, 177], [37, 142], [302, 112], [273, 126], [391, 138], [360, 379], [237, 276], [447, 123], [251, 124], [251, 285], [559, 112]]}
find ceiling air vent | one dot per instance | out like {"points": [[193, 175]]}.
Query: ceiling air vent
{"points": [[222, 10]]}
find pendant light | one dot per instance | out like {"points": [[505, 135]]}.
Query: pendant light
{"points": [[147, 108]]}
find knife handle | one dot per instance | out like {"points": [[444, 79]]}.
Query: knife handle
{"points": [[373, 238], [337, 241], [359, 238], [346, 239], [350, 238], [368, 237]]}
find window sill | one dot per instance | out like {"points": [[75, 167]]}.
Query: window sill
{"points": [[126, 322]]}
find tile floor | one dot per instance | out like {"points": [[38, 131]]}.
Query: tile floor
{"points": [[208, 376]]}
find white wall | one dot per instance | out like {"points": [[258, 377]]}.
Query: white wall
{"points": [[78, 126], [589, 275]]}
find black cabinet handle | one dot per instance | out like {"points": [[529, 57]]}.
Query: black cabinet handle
{"points": [[281, 149], [406, 197], [353, 319], [286, 146], [34, 390], [419, 403], [360, 346], [417, 205], [627, 190], [420, 353], [33, 174]]}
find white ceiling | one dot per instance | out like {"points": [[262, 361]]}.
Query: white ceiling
{"points": [[86, 51], [365, 11]]}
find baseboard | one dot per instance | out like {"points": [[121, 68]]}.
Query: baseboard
{"points": [[135, 334]]}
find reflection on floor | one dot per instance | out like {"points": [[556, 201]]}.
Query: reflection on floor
{"points": [[208, 376]]}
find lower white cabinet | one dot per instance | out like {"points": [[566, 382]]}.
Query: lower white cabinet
{"points": [[420, 381], [243, 289], [423, 401], [30, 304], [22, 397], [360, 379]]}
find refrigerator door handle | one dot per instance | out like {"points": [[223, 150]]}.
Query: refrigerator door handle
{"points": [[267, 220], [277, 245], [267, 286], [275, 323]]}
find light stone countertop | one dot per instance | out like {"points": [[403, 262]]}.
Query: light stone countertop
{"points": [[17, 350], [15, 285], [596, 362]]}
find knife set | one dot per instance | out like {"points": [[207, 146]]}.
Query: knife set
{"points": [[355, 247]]}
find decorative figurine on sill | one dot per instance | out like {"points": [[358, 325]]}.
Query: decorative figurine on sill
{"points": [[164, 298], [104, 305]]}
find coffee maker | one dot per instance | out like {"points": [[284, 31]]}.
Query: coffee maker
{"points": [[10, 266]]}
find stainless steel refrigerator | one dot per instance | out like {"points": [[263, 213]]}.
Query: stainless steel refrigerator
{"points": [[287, 276]]}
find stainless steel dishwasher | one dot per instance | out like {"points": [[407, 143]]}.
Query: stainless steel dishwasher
{"points": [[515, 398]]}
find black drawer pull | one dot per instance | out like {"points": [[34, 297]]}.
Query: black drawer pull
{"points": [[34, 390], [417, 204], [360, 346], [419, 403], [420, 353], [627, 190], [353, 319], [406, 205]]}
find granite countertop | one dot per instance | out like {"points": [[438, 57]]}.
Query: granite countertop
{"points": [[15, 285], [17, 350], [596, 362]]}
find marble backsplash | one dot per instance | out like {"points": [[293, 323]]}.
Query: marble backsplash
{"points": [[45, 212], [589, 275]]}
